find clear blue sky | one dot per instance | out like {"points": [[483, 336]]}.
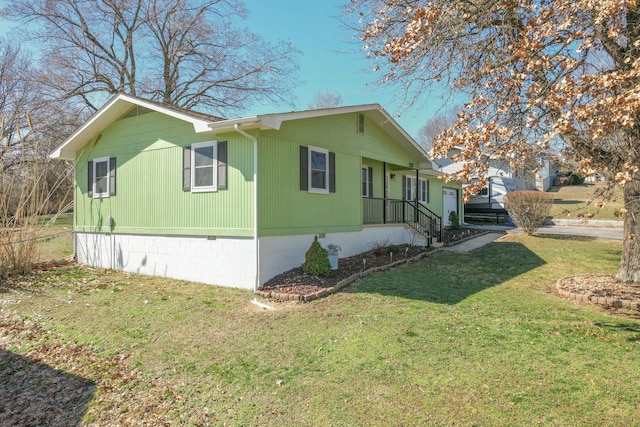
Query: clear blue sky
{"points": [[331, 60]]}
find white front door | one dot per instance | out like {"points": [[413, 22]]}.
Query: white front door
{"points": [[449, 204]]}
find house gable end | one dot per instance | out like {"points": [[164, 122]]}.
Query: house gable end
{"points": [[120, 107]]}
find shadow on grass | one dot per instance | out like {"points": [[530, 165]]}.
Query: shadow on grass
{"points": [[451, 277], [34, 394], [624, 327]]}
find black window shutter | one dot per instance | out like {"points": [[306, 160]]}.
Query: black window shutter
{"points": [[222, 165], [112, 176], [370, 183], [304, 168], [186, 168], [332, 172], [428, 191], [404, 187], [90, 179]]}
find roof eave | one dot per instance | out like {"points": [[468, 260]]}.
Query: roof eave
{"points": [[110, 112]]}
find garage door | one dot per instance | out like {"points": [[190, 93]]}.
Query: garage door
{"points": [[449, 204]]}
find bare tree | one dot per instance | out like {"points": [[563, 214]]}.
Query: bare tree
{"points": [[534, 72], [185, 52], [25, 148], [327, 99], [428, 134], [15, 96]]}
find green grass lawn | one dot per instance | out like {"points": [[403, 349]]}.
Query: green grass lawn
{"points": [[57, 239], [454, 339], [573, 201]]}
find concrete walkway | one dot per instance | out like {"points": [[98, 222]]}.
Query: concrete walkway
{"points": [[474, 243], [495, 232]]}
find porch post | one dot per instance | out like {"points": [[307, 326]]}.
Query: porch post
{"points": [[415, 215], [384, 192]]}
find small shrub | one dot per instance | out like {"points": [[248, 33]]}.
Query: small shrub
{"points": [[572, 179], [392, 249], [317, 260], [454, 220], [528, 209], [379, 248]]}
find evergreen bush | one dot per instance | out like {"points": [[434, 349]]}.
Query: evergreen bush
{"points": [[454, 220], [317, 260]]}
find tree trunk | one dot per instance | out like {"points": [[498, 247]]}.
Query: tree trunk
{"points": [[630, 263]]}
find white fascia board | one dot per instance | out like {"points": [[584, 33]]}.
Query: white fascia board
{"points": [[274, 121], [96, 123], [222, 126], [199, 125], [404, 134], [110, 112], [428, 165]]}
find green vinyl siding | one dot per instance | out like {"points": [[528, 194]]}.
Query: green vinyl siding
{"points": [[435, 194], [285, 209], [149, 198], [339, 134]]}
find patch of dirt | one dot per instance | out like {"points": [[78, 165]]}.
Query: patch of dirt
{"points": [[297, 282]]}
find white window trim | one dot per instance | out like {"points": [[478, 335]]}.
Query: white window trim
{"points": [[208, 188], [365, 169], [106, 193], [411, 188], [422, 184], [313, 189]]}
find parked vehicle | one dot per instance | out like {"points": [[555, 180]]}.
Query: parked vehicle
{"points": [[490, 200]]}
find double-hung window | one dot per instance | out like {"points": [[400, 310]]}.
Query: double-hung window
{"points": [[423, 190], [317, 170], [203, 161], [204, 166], [101, 177], [367, 183], [410, 188]]}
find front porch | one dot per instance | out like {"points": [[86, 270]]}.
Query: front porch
{"points": [[410, 212]]}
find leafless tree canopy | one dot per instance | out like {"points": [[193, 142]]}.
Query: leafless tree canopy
{"points": [[327, 99], [428, 134], [186, 52], [15, 94]]}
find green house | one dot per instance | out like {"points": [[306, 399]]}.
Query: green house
{"points": [[170, 192]]}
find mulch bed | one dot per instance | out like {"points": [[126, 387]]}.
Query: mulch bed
{"points": [[296, 285]]}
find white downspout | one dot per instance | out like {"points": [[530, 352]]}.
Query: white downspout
{"points": [[255, 200]]}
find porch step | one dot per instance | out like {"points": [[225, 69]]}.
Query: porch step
{"points": [[424, 233]]}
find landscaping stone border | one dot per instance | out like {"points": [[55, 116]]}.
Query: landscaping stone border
{"points": [[595, 299], [272, 295]]}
